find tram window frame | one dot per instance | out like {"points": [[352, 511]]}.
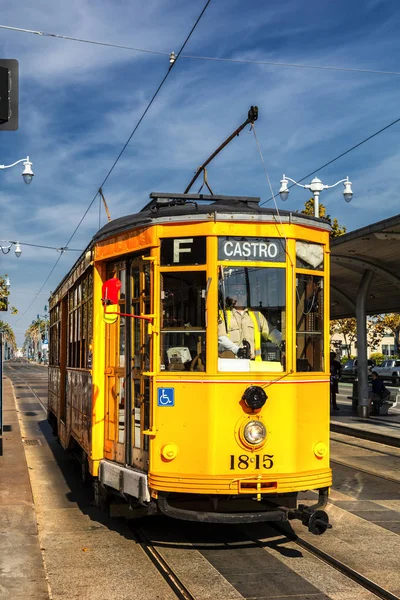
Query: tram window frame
{"points": [[272, 352], [310, 321], [55, 333], [183, 345], [309, 255], [80, 322]]}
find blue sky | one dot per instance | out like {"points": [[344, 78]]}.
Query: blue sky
{"points": [[80, 102]]}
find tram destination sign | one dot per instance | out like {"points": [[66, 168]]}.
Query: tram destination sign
{"points": [[183, 251], [251, 249]]}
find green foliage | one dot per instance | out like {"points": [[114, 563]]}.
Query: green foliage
{"points": [[347, 328], [337, 230], [390, 323], [378, 357], [4, 293], [35, 330], [344, 359], [8, 334]]}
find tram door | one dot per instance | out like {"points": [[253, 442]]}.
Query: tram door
{"points": [[140, 285], [115, 344]]}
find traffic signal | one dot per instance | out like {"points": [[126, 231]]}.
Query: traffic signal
{"points": [[8, 94], [3, 304]]}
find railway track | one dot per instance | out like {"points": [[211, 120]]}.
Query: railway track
{"points": [[162, 566], [338, 565], [358, 446], [342, 463], [181, 589], [19, 378]]}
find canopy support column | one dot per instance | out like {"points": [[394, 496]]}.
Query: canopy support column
{"points": [[362, 365]]}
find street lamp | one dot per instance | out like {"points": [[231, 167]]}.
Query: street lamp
{"points": [[27, 173], [6, 249], [316, 187]]}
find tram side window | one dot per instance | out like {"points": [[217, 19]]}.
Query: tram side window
{"points": [[80, 322], [55, 325], [309, 256], [309, 322], [183, 340]]}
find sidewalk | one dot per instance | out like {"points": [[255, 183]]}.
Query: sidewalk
{"points": [[22, 574], [382, 429]]}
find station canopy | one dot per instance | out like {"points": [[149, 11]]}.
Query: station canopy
{"points": [[375, 248]]}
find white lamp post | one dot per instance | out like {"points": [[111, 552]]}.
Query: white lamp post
{"points": [[316, 187], [27, 173]]}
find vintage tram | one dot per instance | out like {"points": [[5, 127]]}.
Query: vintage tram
{"points": [[161, 412]]}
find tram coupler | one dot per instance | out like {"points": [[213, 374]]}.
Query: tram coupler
{"points": [[313, 516]]}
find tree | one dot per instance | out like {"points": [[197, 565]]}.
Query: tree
{"points": [[390, 322], [4, 293], [347, 328], [8, 334], [34, 332], [337, 230]]}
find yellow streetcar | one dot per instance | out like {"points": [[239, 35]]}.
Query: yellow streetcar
{"points": [[189, 360]]}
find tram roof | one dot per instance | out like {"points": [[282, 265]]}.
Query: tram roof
{"points": [[375, 247], [179, 207]]}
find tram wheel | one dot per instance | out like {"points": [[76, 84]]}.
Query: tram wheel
{"points": [[101, 497], [85, 475]]}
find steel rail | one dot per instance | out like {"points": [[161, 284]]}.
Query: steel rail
{"points": [[346, 443], [162, 566], [44, 408], [361, 470], [338, 565]]}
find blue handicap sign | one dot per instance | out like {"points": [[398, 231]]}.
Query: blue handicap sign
{"points": [[166, 397], [45, 341]]}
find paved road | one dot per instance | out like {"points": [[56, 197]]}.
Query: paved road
{"points": [[89, 556]]}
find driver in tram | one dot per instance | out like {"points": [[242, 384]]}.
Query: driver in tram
{"points": [[240, 329]]}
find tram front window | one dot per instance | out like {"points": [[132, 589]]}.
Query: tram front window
{"points": [[183, 338], [251, 319]]}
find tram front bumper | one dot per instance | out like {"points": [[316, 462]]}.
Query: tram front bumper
{"points": [[278, 483]]}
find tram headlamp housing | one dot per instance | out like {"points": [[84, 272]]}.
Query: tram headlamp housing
{"points": [[255, 433], [255, 397]]}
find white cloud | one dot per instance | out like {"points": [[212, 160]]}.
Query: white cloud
{"points": [[79, 103]]}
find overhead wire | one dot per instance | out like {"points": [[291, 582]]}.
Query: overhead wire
{"points": [[142, 117], [123, 148], [339, 156], [281, 233], [197, 57]]}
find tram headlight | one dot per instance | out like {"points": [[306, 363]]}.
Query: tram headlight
{"points": [[255, 433]]}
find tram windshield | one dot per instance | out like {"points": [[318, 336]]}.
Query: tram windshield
{"points": [[183, 337], [251, 319]]}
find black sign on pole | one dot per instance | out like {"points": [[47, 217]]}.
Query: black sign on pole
{"points": [[8, 94]]}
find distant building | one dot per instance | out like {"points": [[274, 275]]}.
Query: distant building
{"points": [[385, 347]]}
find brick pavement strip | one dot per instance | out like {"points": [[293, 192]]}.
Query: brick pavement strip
{"points": [[22, 573]]}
